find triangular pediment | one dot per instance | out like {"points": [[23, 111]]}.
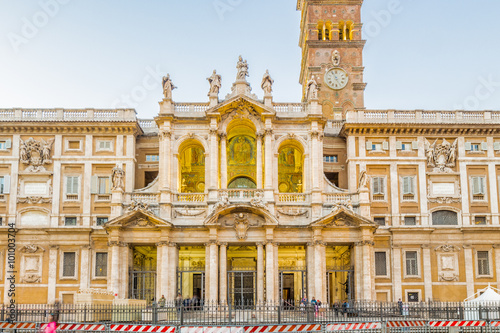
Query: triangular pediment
{"points": [[139, 218], [343, 217], [261, 216], [241, 104]]}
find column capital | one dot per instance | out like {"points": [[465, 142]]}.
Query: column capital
{"points": [[171, 244], [364, 242], [162, 243], [222, 135], [165, 134], [270, 242], [496, 246], [54, 247], [213, 131], [223, 244], [259, 135], [467, 246], [122, 244], [260, 244], [268, 132], [211, 242], [425, 246]]}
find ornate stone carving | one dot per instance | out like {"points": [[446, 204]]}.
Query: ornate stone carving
{"points": [[31, 248], [187, 211], [117, 178], [242, 67], [336, 58], [364, 242], [165, 134], [31, 278], [35, 154], [215, 82], [258, 200], [223, 202], [168, 86], [267, 83], [136, 205], [96, 291], [241, 225], [363, 180], [448, 277], [293, 211], [141, 222], [34, 200], [442, 156], [312, 89], [447, 248], [347, 204], [444, 200]]}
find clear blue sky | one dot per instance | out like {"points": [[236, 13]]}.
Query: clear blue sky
{"points": [[430, 54]]}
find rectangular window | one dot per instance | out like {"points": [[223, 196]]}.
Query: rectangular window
{"points": [[152, 158], [72, 185], [101, 264], [330, 158], [2, 145], [2, 185], [411, 263], [408, 187], [101, 221], [412, 297], [381, 263], [406, 147], [5, 144], [378, 188], [69, 264], [70, 221], [103, 185], [105, 145], [478, 188], [377, 146], [379, 220], [483, 265], [475, 147], [410, 220], [480, 220]]}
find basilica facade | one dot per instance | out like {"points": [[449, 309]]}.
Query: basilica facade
{"points": [[244, 199]]}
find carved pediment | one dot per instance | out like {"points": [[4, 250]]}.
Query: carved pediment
{"points": [[342, 217], [241, 106], [138, 218], [226, 216]]}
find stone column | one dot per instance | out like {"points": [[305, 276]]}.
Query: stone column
{"points": [[86, 195], [496, 254], [57, 179], [427, 272], [123, 282], [214, 160], [358, 271], [114, 282], [164, 164], [85, 268], [396, 273], [173, 262], [320, 271], [492, 181], [259, 160], [314, 160], [270, 273], [268, 161], [214, 271], [161, 269], [207, 271], [310, 270], [51, 287], [277, 295], [223, 160], [469, 273], [260, 272], [393, 184], [223, 272], [464, 184]]}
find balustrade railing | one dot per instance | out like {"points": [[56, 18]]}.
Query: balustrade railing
{"points": [[289, 107], [421, 116], [240, 194], [190, 197], [292, 197], [149, 198], [191, 107], [67, 115]]}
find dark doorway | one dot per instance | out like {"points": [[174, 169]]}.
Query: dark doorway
{"points": [[149, 176], [333, 177]]}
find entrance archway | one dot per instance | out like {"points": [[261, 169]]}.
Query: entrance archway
{"points": [[142, 274]]}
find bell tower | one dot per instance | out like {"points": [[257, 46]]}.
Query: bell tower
{"points": [[332, 54]]}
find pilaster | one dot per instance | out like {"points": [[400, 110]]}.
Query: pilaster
{"points": [[223, 272], [469, 272], [427, 273], [260, 272], [52, 279]]}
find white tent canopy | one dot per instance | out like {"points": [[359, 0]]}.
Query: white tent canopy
{"points": [[488, 294]]}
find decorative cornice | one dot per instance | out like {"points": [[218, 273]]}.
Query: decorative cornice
{"points": [[448, 248], [423, 129], [71, 128], [364, 242]]}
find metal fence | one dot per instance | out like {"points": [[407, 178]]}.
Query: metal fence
{"points": [[204, 313]]}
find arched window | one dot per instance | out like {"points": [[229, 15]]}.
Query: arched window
{"points": [[348, 30], [290, 169], [320, 30], [328, 30], [192, 169], [241, 152], [341, 30], [444, 217]]}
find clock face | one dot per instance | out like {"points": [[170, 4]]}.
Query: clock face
{"points": [[336, 78]]}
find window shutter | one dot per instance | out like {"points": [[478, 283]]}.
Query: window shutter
{"points": [[382, 185], [405, 186], [93, 185], [496, 146], [412, 185], [467, 146], [376, 185], [68, 185], [414, 145], [399, 145], [108, 185], [6, 184], [8, 143], [482, 184], [475, 186], [484, 145], [368, 145], [385, 145]]}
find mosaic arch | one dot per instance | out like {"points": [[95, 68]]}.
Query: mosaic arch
{"points": [[241, 157], [192, 169], [290, 169]]}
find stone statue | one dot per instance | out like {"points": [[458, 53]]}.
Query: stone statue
{"points": [[258, 200], [267, 83], [168, 86], [46, 148], [312, 89], [336, 58], [242, 67], [363, 180], [223, 202], [215, 83], [117, 178]]}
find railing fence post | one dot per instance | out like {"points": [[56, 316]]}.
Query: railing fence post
{"points": [[279, 313], [181, 310]]}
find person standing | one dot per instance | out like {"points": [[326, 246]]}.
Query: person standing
{"points": [[52, 325]]}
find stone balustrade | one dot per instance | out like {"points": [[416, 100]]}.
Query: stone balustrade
{"points": [[149, 198], [289, 107], [421, 116], [190, 197], [341, 198], [191, 107], [292, 197], [114, 115], [238, 195]]}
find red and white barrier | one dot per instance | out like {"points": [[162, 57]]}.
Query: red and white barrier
{"points": [[353, 326], [142, 328], [78, 327], [406, 323], [457, 323], [212, 329], [282, 328], [18, 325], [495, 324]]}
